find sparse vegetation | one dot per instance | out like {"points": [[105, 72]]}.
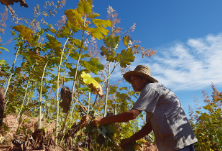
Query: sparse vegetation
{"points": [[66, 53]]}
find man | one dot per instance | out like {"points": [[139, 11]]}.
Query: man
{"points": [[165, 115]]}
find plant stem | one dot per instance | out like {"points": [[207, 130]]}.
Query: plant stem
{"points": [[115, 65], [110, 73], [75, 77], [22, 105], [107, 92], [19, 115], [10, 77], [57, 93], [115, 105], [40, 95], [89, 98]]}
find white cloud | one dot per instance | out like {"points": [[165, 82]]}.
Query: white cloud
{"points": [[187, 66]]}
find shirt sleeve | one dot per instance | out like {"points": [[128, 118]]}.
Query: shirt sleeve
{"points": [[148, 100]]}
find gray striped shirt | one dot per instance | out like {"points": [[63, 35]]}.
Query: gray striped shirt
{"points": [[170, 125]]}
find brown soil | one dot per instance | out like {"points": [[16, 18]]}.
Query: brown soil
{"points": [[28, 126], [31, 126]]}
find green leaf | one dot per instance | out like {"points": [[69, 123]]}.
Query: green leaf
{"points": [[84, 89], [13, 33], [110, 54], [198, 112], [112, 42], [26, 33], [3, 48], [53, 30], [101, 22], [208, 107], [41, 32], [54, 60], [111, 129], [74, 28], [18, 70], [213, 105], [69, 46], [53, 43], [127, 40], [123, 88], [125, 57], [75, 55], [112, 89], [74, 17], [33, 55], [218, 111], [76, 42], [44, 90], [98, 79], [98, 32], [64, 33], [122, 96], [84, 7], [86, 55], [93, 65], [94, 15], [2, 62], [26, 120], [72, 73]]}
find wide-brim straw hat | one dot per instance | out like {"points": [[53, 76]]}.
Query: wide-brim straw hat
{"points": [[140, 70]]}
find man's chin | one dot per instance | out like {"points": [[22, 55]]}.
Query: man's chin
{"points": [[136, 90]]}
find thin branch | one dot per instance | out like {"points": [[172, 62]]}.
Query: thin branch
{"points": [[16, 55], [57, 93]]}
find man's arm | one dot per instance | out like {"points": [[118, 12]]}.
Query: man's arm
{"points": [[122, 117], [147, 128]]}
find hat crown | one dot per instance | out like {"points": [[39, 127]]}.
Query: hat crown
{"points": [[140, 70], [143, 69]]}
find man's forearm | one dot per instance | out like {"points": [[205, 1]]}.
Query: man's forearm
{"points": [[147, 128], [122, 117]]}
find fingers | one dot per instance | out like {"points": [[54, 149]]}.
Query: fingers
{"points": [[99, 120], [125, 142], [96, 121], [124, 146]]}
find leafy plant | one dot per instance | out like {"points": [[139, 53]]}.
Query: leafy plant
{"points": [[207, 125], [65, 58]]}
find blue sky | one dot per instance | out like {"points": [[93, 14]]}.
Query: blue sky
{"points": [[186, 34]]}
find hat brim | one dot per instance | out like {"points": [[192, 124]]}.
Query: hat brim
{"points": [[127, 76]]}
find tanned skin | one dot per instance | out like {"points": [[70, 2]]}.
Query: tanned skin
{"points": [[138, 83]]}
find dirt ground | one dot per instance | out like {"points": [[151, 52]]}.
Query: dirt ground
{"points": [[30, 124]]}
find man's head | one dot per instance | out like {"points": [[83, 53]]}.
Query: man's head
{"points": [[139, 77], [138, 82]]}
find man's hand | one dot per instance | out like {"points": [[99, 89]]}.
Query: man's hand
{"points": [[125, 142], [97, 120], [147, 128]]}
